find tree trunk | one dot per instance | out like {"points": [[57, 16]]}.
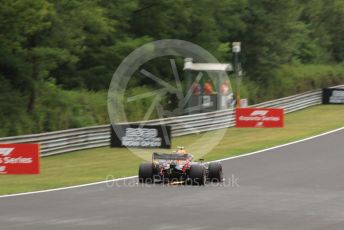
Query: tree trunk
{"points": [[32, 99], [33, 88]]}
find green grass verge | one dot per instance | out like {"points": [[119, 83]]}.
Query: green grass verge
{"points": [[96, 164]]}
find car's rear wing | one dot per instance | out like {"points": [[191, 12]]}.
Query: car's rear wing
{"points": [[172, 156]]}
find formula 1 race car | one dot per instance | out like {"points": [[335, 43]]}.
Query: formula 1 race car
{"points": [[179, 167]]}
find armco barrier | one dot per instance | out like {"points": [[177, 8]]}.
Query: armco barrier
{"points": [[97, 136]]}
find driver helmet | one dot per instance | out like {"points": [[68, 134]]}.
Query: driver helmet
{"points": [[181, 150]]}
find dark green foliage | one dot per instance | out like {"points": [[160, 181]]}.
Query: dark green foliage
{"points": [[58, 56]]}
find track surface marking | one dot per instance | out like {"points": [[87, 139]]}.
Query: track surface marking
{"points": [[297, 186]]}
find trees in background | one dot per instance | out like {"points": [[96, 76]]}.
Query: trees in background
{"points": [[77, 44]]}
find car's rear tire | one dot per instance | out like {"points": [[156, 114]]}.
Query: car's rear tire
{"points": [[146, 173], [197, 175], [215, 172]]}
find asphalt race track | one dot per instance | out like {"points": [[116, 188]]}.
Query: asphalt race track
{"points": [[299, 186]]}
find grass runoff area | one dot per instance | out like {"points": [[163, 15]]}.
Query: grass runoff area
{"points": [[97, 164]]}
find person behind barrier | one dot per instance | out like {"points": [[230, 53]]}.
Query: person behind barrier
{"points": [[208, 88], [196, 88]]}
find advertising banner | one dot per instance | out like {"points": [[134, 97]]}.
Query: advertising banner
{"points": [[138, 136], [259, 117], [19, 159], [333, 96]]}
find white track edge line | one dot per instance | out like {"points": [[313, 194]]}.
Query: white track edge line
{"points": [[133, 177], [69, 187], [280, 146]]}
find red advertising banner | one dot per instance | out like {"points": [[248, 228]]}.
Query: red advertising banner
{"points": [[259, 117], [19, 159]]}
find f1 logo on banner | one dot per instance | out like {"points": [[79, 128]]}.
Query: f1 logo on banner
{"points": [[19, 159], [259, 117]]}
